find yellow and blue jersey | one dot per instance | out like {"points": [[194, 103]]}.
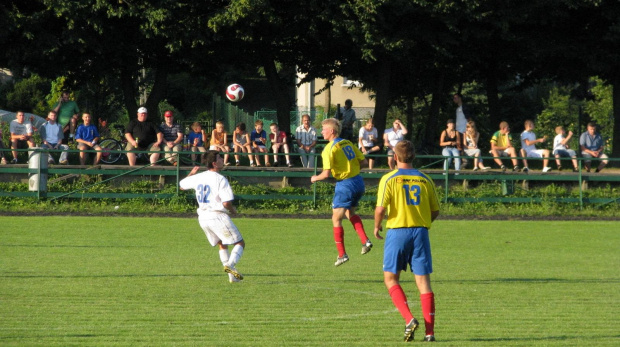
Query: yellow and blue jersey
{"points": [[501, 140], [342, 158], [409, 197]]}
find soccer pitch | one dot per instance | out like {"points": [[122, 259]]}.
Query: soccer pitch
{"points": [[156, 281]]}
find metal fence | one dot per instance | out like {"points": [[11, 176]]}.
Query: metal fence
{"points": [[38, 172]]}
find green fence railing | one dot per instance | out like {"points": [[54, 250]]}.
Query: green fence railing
{"points": [[38, 174]]}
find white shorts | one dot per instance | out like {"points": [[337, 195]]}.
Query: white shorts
{"points": [[219, 227], [501, 153], [537, 153]]}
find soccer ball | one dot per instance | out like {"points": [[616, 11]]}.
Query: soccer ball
{"points": [[235, 92]]}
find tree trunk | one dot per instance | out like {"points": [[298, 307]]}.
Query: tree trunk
{"points": [[615, 142], [129, 92], [158, 91], [328, 99], [409, 112], [382, 97], [280, 89], [431, 138], [495, 116]]}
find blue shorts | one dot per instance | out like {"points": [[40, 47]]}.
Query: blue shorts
{"points": [[408, 246], [348, 192]]}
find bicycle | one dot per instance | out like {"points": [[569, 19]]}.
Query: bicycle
{"points": [[112, 149]]}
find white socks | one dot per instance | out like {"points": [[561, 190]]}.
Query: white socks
{"points": [[235, 255]]}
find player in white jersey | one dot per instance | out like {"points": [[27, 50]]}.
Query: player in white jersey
{"points": [[215, 197]]}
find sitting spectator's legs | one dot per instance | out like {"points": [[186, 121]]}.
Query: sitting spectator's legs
{"points": [[451, 152], [84, 147], [200, 149], [171, 158]]}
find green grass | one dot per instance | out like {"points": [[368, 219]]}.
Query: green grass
{"points": [[155, 281]]}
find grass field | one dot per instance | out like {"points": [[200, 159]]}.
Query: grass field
{"points": [[155, 281]]}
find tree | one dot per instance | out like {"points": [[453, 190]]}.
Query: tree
{"points": [[110, 44]]}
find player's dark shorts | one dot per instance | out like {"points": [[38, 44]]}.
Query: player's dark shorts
{"points": [[349, 192], [408, 246]]}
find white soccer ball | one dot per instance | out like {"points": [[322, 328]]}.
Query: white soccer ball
{"points": [[235, 92], [116, 208]]}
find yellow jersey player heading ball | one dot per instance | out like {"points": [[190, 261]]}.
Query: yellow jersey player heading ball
{"points": [[342, 160], [411, 203]]}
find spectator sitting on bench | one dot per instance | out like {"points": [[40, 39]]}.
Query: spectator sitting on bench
{"points": [[305, 134], [278, 140], [471, 145], [87, 136], [219, 141], [501, 146], [196, 139], [241, 143], [368, 141], [528, 147], [591, 143], [450, 140], [21, 134], [560, 148], [258, 138]]}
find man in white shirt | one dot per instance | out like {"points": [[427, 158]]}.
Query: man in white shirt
{"points": [[21, 134], [52, 136], [391, 137], [215, 197], [305, 135], [528, 147]]}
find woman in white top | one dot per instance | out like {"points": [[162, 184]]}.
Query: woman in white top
{"points": [[368, 141], [471, 145]]}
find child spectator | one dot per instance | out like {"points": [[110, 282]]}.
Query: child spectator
{"points": [[368, 141], [219, 141], [87, 136], [560, 148], [471, 145], [528, 145], [258, 138], [241, 143], [196, 139], [278, 140]]}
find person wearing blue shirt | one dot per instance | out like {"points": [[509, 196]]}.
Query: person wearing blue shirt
{"points": [[87, 136]]}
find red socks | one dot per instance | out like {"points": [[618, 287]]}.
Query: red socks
{"points": [[359, 228], [400, 301], [428, 307], [428, 310], [339, 238]]}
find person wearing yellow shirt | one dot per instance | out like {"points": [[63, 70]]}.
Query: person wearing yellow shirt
{"points": [[501, 146], [342, 159], [409, 198]]}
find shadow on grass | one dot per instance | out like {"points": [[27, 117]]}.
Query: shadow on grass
{"points": [[71, 246], [532, 280], [542, 338], [219, 274]]}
